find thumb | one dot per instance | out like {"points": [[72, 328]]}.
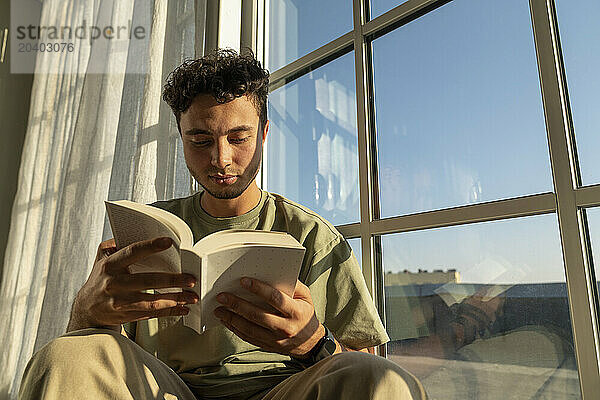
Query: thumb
{"points": [[105, 249]]}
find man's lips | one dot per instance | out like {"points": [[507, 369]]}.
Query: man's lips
{"points": [[223, 179]]}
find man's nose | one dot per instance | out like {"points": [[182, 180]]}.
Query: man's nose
{"points": [[221, 154]]}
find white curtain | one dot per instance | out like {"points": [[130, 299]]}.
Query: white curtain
{"points": [[90, 137]]}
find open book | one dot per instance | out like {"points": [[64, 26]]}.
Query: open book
{"points": [[453, 293], [498, 273], [218, 261]]}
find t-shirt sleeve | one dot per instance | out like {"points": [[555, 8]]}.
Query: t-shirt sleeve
{"points": [[341, 298]]}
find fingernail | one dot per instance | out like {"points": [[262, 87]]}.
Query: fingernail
{"points": [[192, 299], [246, 282], [221, 298], [164, 242], [190, 280]]}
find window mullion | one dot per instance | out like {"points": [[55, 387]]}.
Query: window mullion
{"points": [[581, 290], [364, 153]]}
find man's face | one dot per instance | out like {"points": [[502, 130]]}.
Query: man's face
{"points": [[221, 144]]}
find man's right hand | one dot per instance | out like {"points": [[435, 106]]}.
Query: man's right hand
{"points": [[112, 296]]}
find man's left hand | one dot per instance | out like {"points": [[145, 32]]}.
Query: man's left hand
{"points": [[294, 330]]}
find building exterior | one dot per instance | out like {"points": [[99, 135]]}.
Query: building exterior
{"points": [[421, 277]]}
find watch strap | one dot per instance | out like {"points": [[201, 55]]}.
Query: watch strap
{"points": [[324, 348]]}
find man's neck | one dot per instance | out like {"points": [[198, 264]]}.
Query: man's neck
{"points": [[231, 207]]}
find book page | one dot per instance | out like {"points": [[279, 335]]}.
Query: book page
{"points": [[191, 264], [130, 226], [453, 293], [222, 271], [498, 276], [176, 224], [240, 237]]}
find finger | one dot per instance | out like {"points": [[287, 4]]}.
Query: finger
{"points": [[302, 291], [152, 280], [243, 336], [252, 312], [138, 251], [155, 301], [106, 248], [245, 329], [274, 297], [165, 312]]}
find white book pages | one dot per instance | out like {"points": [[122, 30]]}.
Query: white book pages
{"points": [[222, 271], [191, 263], [130, 226], [176, 224], [239, 237], [453, 293]]}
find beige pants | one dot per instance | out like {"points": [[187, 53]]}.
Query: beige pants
{"points": [[103, 364]]}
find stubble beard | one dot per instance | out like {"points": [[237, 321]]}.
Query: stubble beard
{"points": [[235, 190]]}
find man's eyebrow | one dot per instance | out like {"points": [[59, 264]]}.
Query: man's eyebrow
{"points": [[241, 128], [198, 131]]}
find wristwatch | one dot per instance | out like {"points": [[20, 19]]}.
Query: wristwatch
{"points": [[324, 348]]}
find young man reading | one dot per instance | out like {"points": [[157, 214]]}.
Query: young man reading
{"points": [[219, 102]]}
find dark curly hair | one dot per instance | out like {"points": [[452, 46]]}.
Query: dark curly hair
{"points": [[225, 75]]}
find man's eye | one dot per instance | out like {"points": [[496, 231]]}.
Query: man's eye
{"points": [[238, 140], [200, 142]]}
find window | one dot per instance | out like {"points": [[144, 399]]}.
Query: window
{"points": [[379, 7], [312, 155], [296, 27], [593, 218], [578, 25], [522, 336], [458, 111], [355, 244], [460, 178]]}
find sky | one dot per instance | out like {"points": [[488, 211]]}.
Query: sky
{"points": [[459, 120]]}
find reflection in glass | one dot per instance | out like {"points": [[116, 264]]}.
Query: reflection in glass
{"points": [[312, 154], [459, 116], [379, 7], [579, 33], [481, 311], [297, 27]]}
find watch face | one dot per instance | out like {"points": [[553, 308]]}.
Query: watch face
{"points": [[324, 348], [329, 345]]}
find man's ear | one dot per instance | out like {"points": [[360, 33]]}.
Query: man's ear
{"points": [[264, 134]]}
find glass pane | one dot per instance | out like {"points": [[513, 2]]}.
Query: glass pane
{"points": [[483, 315], [458, 109], [593, 217], [312, 153], [356, 249], [579, 33], [379, 7], [297, 27]]}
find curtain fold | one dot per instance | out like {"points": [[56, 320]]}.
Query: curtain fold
{"points": [[90, 137]]}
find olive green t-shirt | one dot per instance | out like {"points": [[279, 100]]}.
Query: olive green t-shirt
{"points": [[219, 364]]}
